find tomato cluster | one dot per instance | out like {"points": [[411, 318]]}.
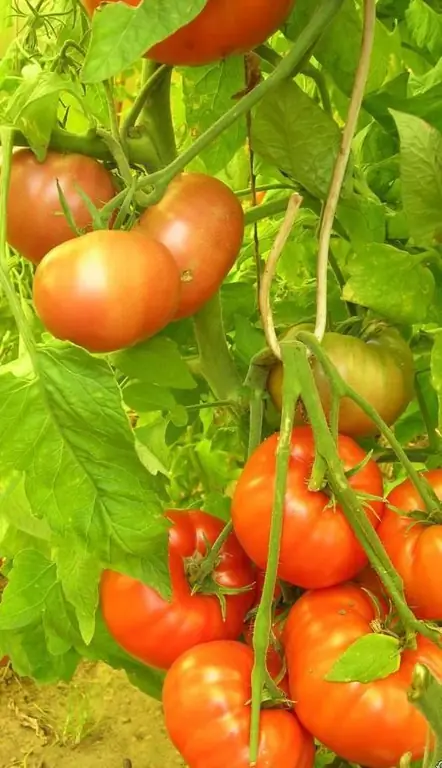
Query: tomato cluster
{"points": [[109, 289]]}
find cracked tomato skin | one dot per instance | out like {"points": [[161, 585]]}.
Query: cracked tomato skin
{"points": [[156, 631], [221, 29], [206, 698], [201, 221], [318, 546], [415, 548], [371, 724], [35, 220]]}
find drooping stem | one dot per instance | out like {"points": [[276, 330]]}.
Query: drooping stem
{"points": [[216, 362], [349, 501], [155, 72], [425, 693], [341, 165], [263, 622]]}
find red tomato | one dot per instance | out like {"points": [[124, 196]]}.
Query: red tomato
{"points": [[221, 29], [201, 222], [372, 724], [207, 712], [156, 631], [107, 289], [318, 547], [415, 548], [35, 219], [275, 661]]}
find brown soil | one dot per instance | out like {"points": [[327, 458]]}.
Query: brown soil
{"points": [[99, 720]]}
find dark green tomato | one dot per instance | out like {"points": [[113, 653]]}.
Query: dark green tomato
{"points": [[380, 370]]}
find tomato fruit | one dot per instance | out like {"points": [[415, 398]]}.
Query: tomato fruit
{"points": [[221, 29], [372, 724], [157, 631], [415, 547], [35, 220], [206, 698], [107, 289], [380, 370], [201, 222], [318, 546]]}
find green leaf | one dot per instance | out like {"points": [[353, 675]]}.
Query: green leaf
{"points": [[363, 219], [158, 362], [208, 93], [144, 397], [31, 657], [391, 282], [30, 583], [371, 657], [79, 574], [436, 371], [421, 174], [425, 26], [121, 34], [291, 131]]}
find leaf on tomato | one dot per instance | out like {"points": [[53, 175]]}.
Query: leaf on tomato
{"points": [[208, 93], [291, 131], [121, 33], [371, 657], [391, 282], [421, 175], [157, 361], [79, 573]]}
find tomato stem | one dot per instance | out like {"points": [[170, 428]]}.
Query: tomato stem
{"points": [[425, 694], [217, 365], [209, 563], [347, 497], [152, 73], [435, 441], [263, 622]]}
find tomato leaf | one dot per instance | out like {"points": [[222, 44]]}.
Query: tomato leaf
{"points": [[410, 285], [291, 131], [421, 174], [425, 25], [436, 371], [158, 362], [79, 573], [121, 33], [369, 658]]}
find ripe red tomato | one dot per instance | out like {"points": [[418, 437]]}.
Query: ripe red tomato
{"points": [[275, 660], [157, 631], [221, 29], [372, 724], [380, 369], [318, 546], [35, 219], [107, 289], [201, 222], [415, 547], [206, 699]]}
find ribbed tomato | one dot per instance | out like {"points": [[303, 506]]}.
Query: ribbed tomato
{"points": [[157, 631]]}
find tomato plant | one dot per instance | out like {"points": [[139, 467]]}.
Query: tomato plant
{"points": [[158, 631], [107, 289], [206, 694], [318, 546], [201, 222], [378, 724], [35, 220], [414, 545], [220, 30], [275, 654], [379, 368]]}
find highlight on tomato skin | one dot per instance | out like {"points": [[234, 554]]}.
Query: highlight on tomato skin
{"points": [[221, 29]]}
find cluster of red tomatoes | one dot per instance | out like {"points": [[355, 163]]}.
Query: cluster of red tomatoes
{"points": [[197, 635], [109, 289]]}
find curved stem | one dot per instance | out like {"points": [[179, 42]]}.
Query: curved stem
{"points": [[263, 622], [316, 75], [431, 425], [349, 501], [341, 165], [216, 362], [137, 106]]}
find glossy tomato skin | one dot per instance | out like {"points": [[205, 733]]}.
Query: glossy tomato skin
{"points": [[221, 29], [371, 724], [201, 222], [157, 631], [107, 289], [415, 548], [35, 219], [318, 547], [380, 369], [207, 714]]}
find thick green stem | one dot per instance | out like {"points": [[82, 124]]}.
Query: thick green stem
{"points": [[342, 389], [349, 501], [216, 362], [263, 623], [256, 381], [426, 694], [416, 455], [156, 116], [152, 73]]}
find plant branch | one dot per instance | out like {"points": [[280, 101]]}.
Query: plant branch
{"points": [[434, 439], [209, 563], [138, 105], [341, 165], [216, 363], [425, 694], [295, 202]]}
